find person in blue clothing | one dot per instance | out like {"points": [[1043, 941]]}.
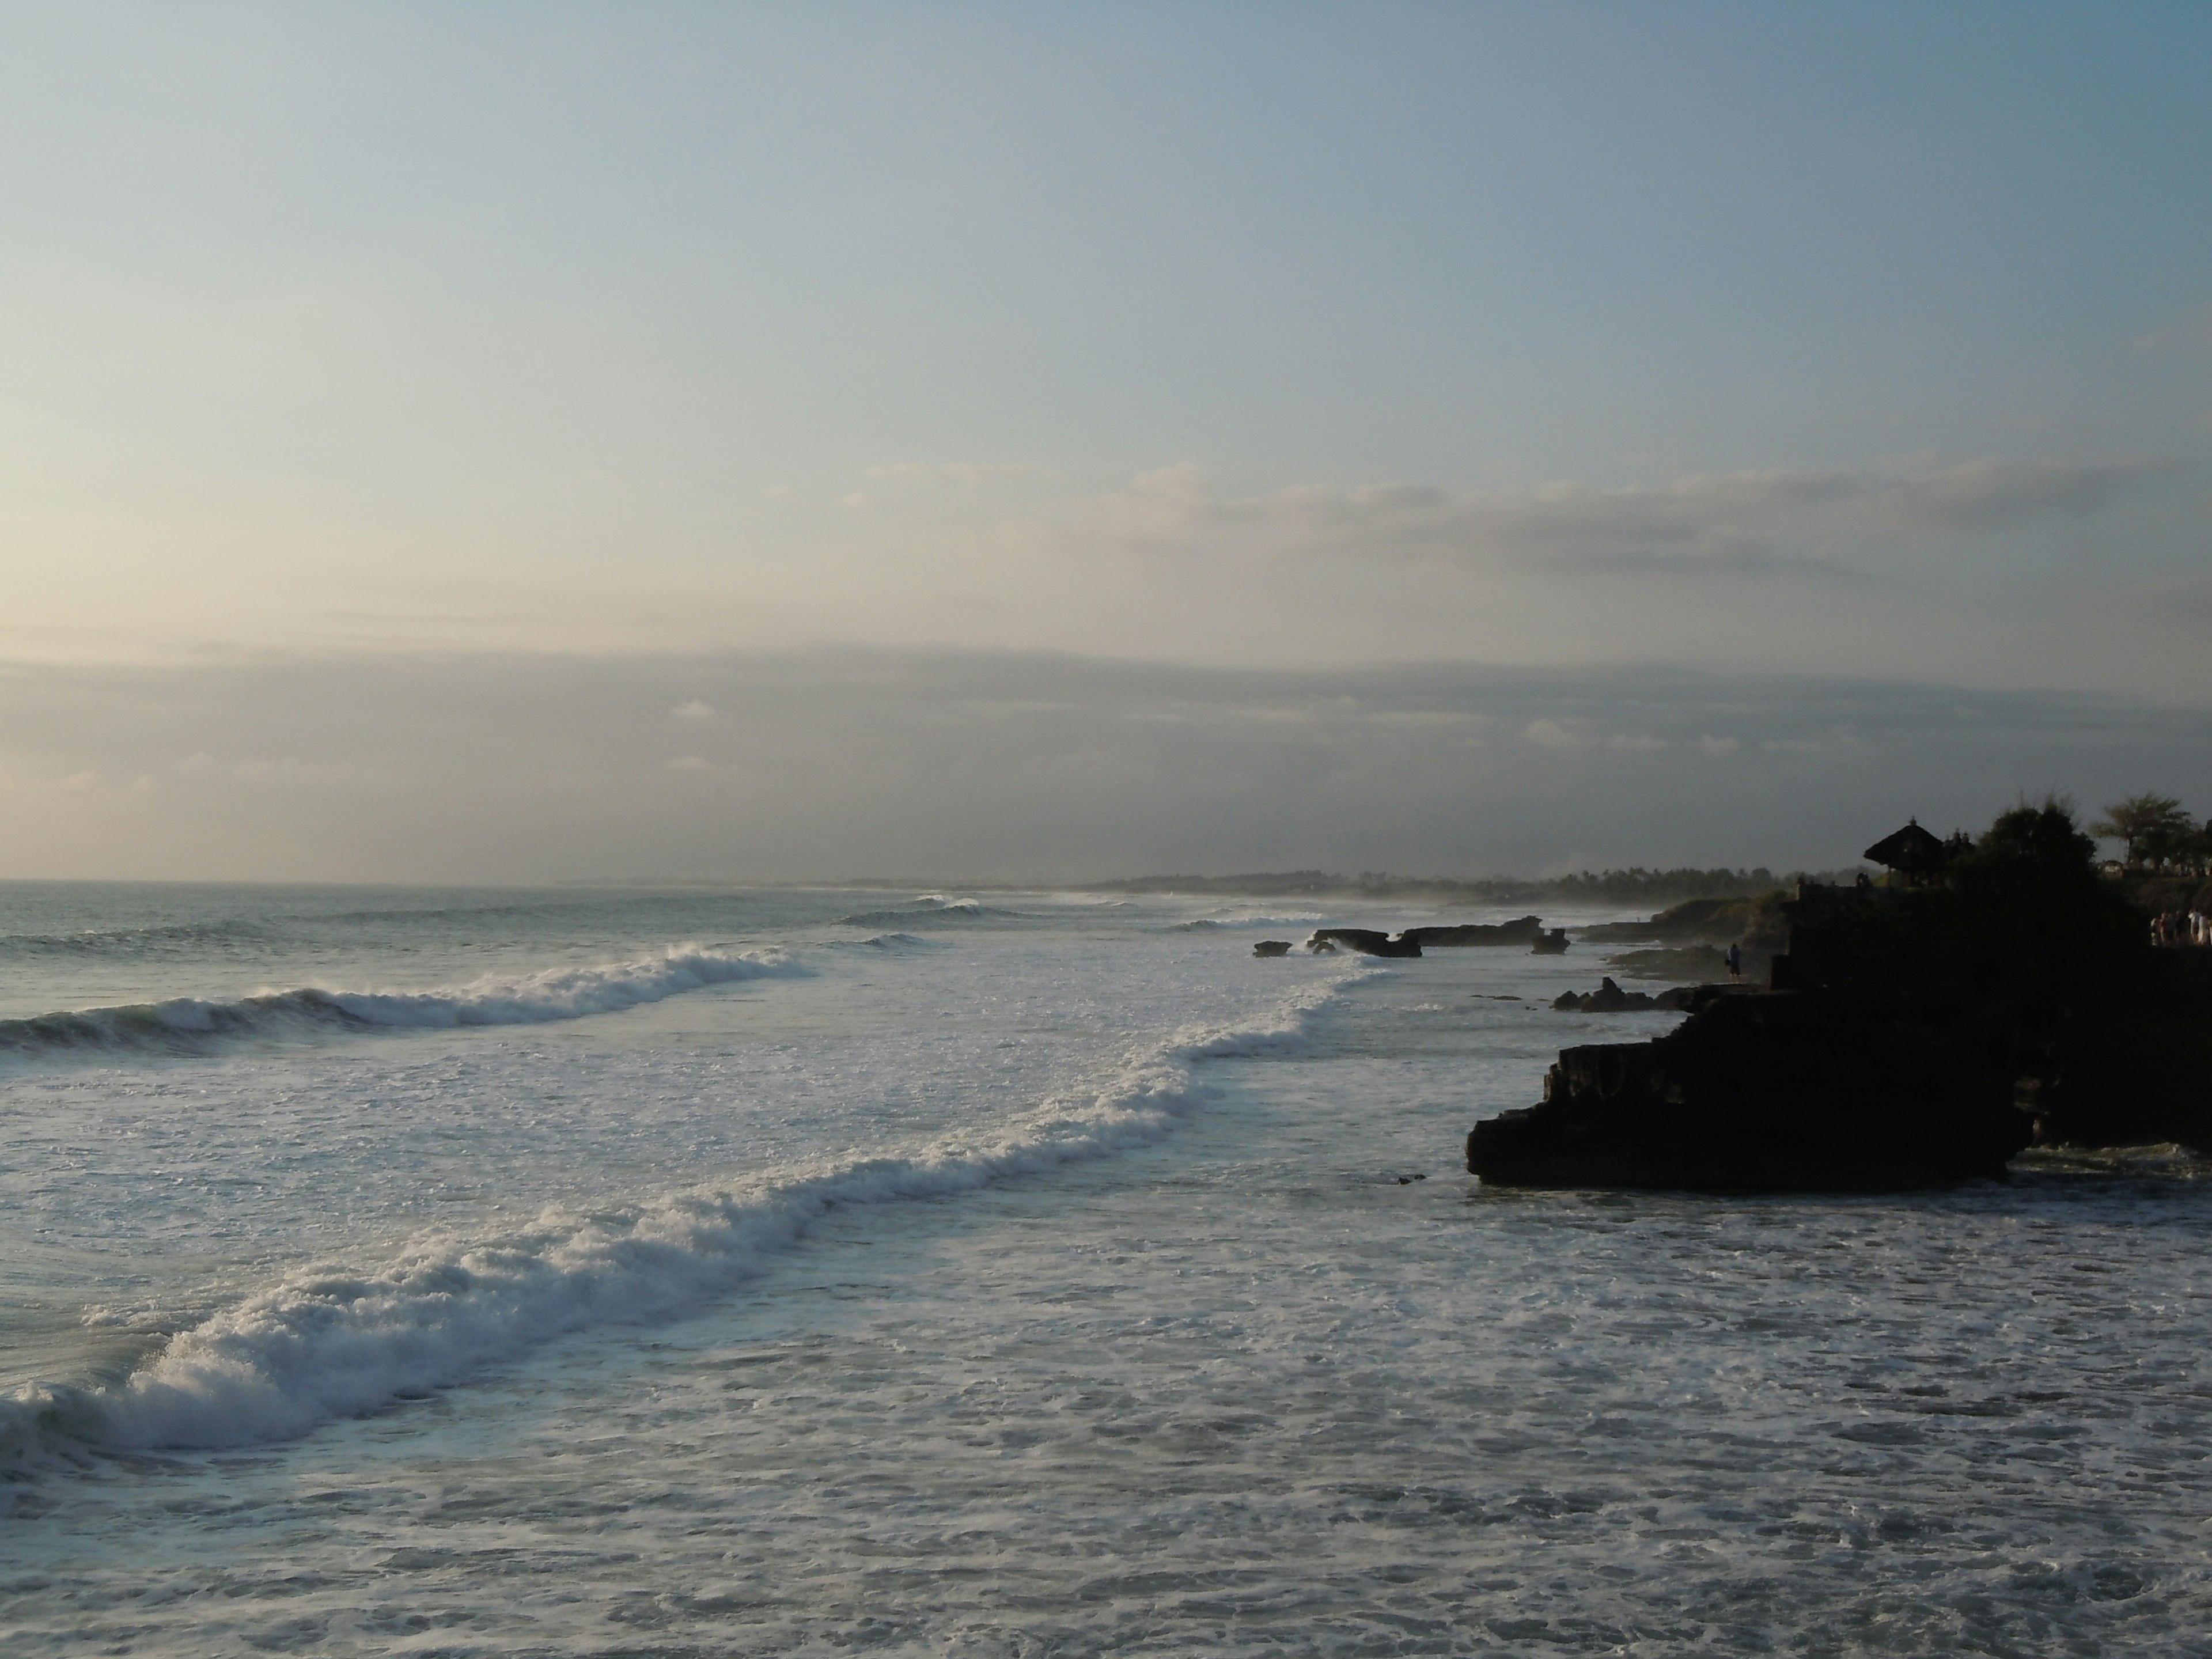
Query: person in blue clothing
{"points": [[1735, 963]]}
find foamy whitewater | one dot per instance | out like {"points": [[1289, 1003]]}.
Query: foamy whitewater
{"points": [[607, 1272]]}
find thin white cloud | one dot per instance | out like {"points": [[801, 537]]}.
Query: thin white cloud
{"points": [[1570, 732], [981, 764], [1772, 521], [1548, 733], [1987, 495]]}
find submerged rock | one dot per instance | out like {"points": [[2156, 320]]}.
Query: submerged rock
{"points": [[1272, 947]]}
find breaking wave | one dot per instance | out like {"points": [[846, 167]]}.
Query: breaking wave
{"points": [[332, 1341], [187, 1025]]}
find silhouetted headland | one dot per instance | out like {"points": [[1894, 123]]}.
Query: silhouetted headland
{"points": [[1920, 1033]]}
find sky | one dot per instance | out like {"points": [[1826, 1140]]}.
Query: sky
{"points": [[652, 441]]}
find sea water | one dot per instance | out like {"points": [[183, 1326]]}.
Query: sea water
{"points": [[600, 1272]]}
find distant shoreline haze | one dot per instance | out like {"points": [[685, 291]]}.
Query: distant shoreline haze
{"points": [[1607, 886]]}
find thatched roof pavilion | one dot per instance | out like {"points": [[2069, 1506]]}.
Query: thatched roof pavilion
{"points": [[1910, 852]]}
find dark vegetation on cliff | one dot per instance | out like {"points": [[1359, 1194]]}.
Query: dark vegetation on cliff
{"points": [[1637, 885], [2157, 835], [2044, 965]]}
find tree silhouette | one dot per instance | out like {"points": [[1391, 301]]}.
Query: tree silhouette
{"points": [[2154, 828]]}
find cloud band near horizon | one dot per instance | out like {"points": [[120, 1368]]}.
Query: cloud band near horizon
{"points": [[962, 765]]}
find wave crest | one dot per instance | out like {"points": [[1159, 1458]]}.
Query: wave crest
{"points": [[187, 1026], [328, 1341], [885, 942]]}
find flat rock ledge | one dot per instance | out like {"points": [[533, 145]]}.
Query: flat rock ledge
{"points": [[1770, 1092]]}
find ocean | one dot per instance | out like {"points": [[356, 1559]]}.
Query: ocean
{"points": [[598, 1272]]}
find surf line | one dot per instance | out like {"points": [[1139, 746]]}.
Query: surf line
{"points": [[325, 1342]]}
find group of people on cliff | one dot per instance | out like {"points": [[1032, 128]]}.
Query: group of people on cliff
{"points": [[2181, 928]]}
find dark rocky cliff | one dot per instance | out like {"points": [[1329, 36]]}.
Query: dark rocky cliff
{"points": [[1765, 1093], [1911, 1038]]}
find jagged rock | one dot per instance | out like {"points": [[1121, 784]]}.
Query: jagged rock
{"points": [[1366, 940], [1610, 999], [1272, 947], [1553, 944], [1764, 1092]]}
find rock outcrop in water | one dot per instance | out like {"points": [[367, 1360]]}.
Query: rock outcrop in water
{"points": [[1522, 930], [1366, 940], [1272, 947], [1610, 999]]}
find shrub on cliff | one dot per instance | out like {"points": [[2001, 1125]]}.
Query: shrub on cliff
{"points": [[2045, 930], [2023, 925]]}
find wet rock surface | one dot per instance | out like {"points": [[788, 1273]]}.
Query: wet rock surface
{"points": [[1366, 940]]}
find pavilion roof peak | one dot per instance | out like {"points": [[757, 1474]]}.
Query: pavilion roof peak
{"points": [[1911, 850]]}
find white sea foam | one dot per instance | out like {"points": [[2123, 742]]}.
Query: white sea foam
{"points": [[330, 1342], [189, 1025]]}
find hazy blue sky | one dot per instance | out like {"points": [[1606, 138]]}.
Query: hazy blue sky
{"points": [[1699, 356]]}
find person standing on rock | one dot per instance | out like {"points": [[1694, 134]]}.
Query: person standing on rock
{"points": [[1735, 964]]}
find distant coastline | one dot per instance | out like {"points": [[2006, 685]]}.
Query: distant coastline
{"points": [[1587, 886], [1634, 886]]}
